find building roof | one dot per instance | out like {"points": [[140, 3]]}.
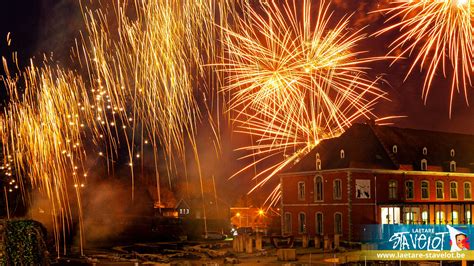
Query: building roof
{"points": [[371, 146]]}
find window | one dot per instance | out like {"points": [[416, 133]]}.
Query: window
{"points": [[394, 149], [337, 192], [392, 189], [425, 151], [287, 228], [468, 217], [424, 217], [452, 153], [453, 190], [455, 217], [440, 217], [425, 190], [338, 223], [342, 154], [318, 164], [319, 223], [424, 165], [467, 190], [301, 191], [318, 188], [409, 217], [301, 223], [409, 189], [439, 190], [452, 166], [390, 215]]}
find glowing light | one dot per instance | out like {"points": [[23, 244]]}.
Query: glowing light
{"points": [[294, 81]]}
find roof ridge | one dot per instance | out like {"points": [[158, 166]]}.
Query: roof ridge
{"points": [[384, 145]]}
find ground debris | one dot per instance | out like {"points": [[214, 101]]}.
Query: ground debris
{"points": [[209, 252]]}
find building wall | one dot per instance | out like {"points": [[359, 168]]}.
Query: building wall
{"points": [[364, 193]]}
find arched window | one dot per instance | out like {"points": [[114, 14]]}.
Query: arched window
{"points": [[394, 149], [338, 223], [439, 190], [318, 188], [452, 166], [424, 165], [319, 223], [392, 189], [302, 223], [467, 190], [301, 190], [318, 162], [425, 151], [453, 189], [452, 153], [425, 189], [342, 154]]}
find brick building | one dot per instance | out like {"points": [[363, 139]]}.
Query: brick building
{"points": [[379, 175]]}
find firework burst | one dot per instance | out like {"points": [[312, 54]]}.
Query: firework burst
{"points": [[294, 80], [438, 34]]}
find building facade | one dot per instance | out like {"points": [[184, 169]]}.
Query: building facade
{"points": [[379, 175]]}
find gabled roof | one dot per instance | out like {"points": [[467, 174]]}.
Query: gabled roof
{"points": [[370, 146]]}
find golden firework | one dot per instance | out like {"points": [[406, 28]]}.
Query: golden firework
{"points": [[438, 34]]}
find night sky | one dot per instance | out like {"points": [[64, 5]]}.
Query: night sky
{"points": [[50, 26]]}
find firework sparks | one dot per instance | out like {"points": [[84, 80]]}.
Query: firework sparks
{"points": [[294, 80], [440, 35], [42, 131]]}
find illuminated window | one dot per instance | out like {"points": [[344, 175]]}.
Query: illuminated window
{"points": [[455, 217], [467, 190], [409, 217], [337, 193], [301, 190], [319, 223], [394, 149], [318, 188], [439, 190], [338, 223], [440, 217], [453, 190], [468, 217], [425, 151], [301, 223], [425, 190], [342, 154], [409, 189], [392, 189], [424, 217], [452, 152]]}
